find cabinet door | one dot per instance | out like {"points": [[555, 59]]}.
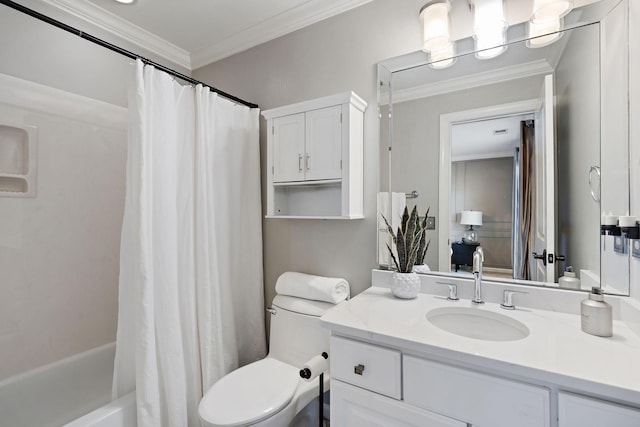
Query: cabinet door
{"points": [[355, 407], [578, 411], [480, 399], [324, 143], [288, 148]]}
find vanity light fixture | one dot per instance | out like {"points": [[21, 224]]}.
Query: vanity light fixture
{"points": [[550, 10], [489, 28], [546, 21], [443, 58], [435, 22], [125, 1], [436, 38], [544, 33]]}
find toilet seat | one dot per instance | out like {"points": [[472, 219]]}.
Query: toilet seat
{"points": [[250, 394]]}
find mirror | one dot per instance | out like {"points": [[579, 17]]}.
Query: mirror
{"points": [[514, 143]]}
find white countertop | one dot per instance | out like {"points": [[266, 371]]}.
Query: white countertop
{"points": [[555, 352]]}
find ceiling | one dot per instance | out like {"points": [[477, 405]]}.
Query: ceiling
{"points": [[194, 33], [489, 138]]}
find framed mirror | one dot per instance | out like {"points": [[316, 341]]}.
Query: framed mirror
{"points": [[523, 153]]}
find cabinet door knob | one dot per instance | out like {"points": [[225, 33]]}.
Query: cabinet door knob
{"points": [[358, 369]]}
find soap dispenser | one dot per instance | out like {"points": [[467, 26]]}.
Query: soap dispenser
{"points": [[597, 316], [569, 280]]}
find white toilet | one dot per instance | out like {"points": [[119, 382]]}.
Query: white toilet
{"points": [[270, 392]]}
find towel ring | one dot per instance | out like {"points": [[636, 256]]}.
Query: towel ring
{"points": [[595, 169]]}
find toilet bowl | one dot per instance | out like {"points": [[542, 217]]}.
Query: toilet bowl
{"points": [[270, 392]]}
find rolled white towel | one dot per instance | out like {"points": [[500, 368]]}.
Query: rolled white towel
{"points": [[318, 288]]}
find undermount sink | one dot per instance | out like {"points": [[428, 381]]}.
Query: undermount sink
{"points": [[477, 323]]}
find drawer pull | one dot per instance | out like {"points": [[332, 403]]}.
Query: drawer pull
{"points": [[358, 369]]}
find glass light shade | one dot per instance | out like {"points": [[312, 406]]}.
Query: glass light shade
{"points": [[443, 58], [125, 1], [544, 33], [548, 10], [435, 21], [489, 45], [489, 28]]}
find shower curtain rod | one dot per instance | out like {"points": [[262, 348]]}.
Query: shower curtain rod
{"points": [[119, 50]]}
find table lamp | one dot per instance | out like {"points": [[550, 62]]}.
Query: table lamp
{"points": [[470, 218]]}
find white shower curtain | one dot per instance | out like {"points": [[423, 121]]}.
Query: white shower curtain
{"points": [[191, 293]]}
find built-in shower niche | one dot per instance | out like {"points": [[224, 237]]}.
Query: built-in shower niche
{"points": [[18, 160]]}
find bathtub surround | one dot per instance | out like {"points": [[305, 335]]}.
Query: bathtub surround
{"points": [[59, 250], [191, 295]]}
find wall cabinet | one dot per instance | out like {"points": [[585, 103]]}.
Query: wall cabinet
{"points": [[314, 158], [308, 146]]}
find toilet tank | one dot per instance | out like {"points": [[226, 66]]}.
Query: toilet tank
{"points": [[296, 335]]}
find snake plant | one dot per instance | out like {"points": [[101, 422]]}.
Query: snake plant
{"points": [[410, 240]]}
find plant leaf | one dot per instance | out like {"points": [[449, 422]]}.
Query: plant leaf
{"points": [[389, 229], [393, 257]]}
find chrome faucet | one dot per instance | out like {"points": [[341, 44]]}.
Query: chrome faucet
{"points": [[478, 259]]}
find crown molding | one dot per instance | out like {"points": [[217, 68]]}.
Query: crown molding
{"points": [[117, 26], [307, 14], [504, 74]]}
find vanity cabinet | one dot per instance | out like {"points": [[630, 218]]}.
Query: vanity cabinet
{"points": [[387, 356], [476, 398], [575, 410], [378, 386], [315, 158]]}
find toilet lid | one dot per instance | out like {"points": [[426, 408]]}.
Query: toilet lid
{"points": [[249, 394]]}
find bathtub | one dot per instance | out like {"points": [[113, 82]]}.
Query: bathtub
{"points": [[75, 390]]}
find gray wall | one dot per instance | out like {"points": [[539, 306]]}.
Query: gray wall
{"points": [[485, 185], [38, 52], [332, 56]]}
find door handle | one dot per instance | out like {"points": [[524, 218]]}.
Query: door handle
{"points": [[542, 256], [299, 162]]}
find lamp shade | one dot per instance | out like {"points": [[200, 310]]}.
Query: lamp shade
{"points": [[471, 218]]}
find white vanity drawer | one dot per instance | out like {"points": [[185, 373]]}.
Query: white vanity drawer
{"points": [[475, 398], [367, 366], [574, 410]]}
